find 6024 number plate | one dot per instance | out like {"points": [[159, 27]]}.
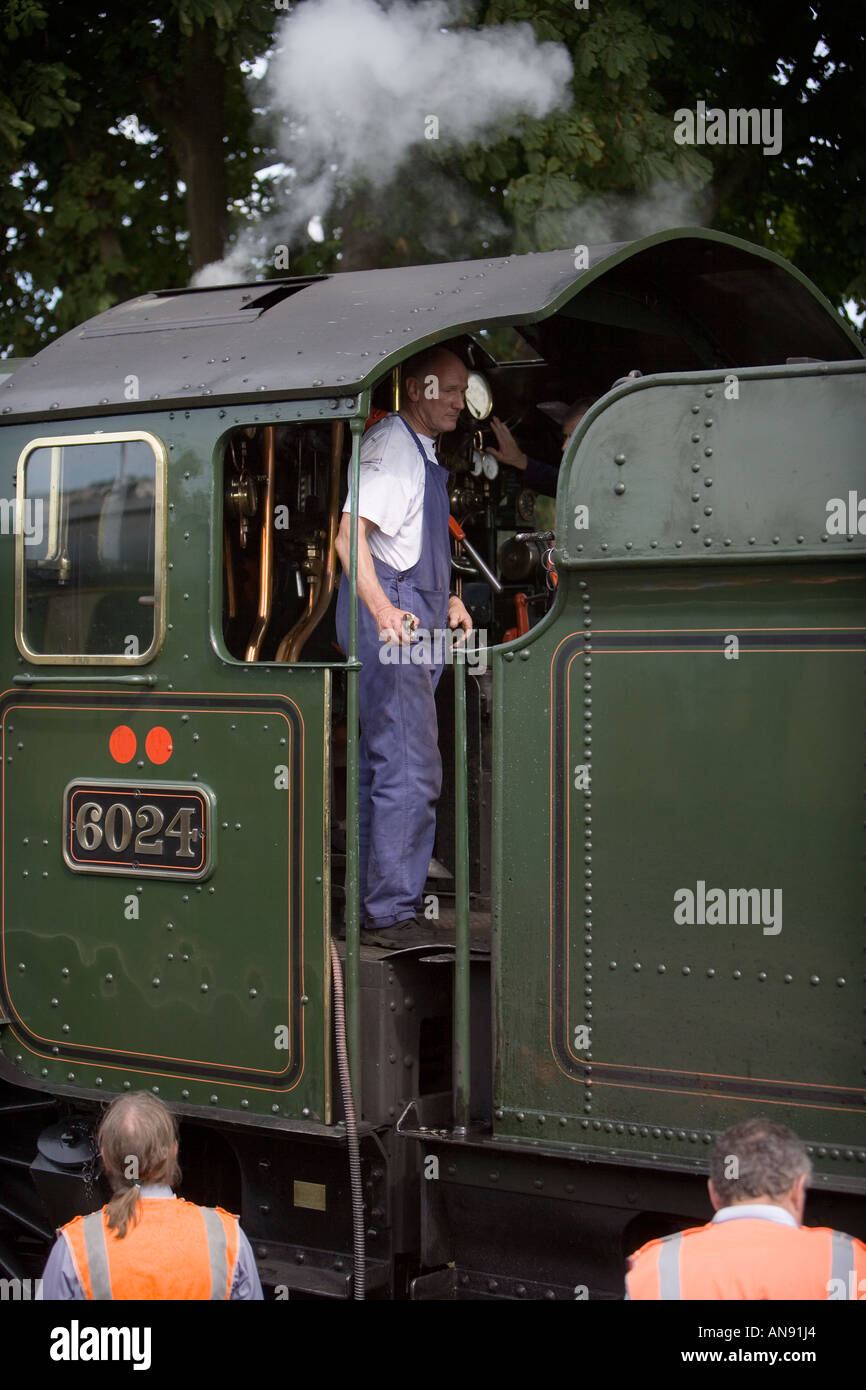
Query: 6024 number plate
{"points": [[149, 830]]}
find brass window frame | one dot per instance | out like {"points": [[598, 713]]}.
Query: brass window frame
{"points": [[160, 454]]}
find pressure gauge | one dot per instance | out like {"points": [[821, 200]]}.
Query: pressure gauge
{"points": [[477, 463], [490, 466], [478, 396], [526, 505]]}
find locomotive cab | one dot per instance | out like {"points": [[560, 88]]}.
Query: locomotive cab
{"points": [[180, 760]]}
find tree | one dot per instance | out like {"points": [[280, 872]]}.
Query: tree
{"points": [[131, 143], [125, 133]]}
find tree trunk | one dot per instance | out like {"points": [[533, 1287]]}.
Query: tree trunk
{"points": [[194, 117]]}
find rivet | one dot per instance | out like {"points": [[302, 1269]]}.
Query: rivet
{"points": [[814, 979], [738, 974], [619, 489], [687, 970]]}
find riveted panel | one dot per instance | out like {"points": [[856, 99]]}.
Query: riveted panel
{"points": [[722, 467], [116, 970], [685, 746]]}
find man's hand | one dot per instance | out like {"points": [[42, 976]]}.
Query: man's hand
{"points": [[458, 617], [395, 625], [509, 451]]}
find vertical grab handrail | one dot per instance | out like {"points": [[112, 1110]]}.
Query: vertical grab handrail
{"points": [[353, 923], [462, 1055]]}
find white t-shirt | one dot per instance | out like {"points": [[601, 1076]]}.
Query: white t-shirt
{"points": [[392, 491]]}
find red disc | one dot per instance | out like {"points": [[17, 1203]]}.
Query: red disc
{"points": [[157, 745], [122, 744]]}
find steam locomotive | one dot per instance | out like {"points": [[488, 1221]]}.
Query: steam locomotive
{"points": [[646, 909]]}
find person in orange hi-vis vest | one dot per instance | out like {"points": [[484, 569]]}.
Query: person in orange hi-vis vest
{"points": [[755, 1247], [147, 1243]]}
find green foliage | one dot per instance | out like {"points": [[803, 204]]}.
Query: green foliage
{"points": [[100, 106]]}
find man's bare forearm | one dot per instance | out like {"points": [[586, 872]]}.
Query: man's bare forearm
{"points": [[370, 591]]}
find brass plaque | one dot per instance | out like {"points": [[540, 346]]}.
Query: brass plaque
{"points": [[310, 1194]]}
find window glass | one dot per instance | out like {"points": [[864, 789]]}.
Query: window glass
{"points": [[88, 519], [506, 345]]}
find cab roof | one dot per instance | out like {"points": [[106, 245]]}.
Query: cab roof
{"points": [[731, 303]]}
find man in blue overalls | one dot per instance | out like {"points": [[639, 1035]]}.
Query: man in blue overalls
{"points": [[404, 578]]}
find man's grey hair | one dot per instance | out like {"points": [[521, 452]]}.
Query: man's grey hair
{"points": [[757, 1158], [425, 364]]}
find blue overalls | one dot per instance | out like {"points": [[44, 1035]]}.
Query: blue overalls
{"points": [[400, 769]]}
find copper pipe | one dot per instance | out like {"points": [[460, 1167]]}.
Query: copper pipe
{"points": [[321, 585], [228, 565], [266, 555]]}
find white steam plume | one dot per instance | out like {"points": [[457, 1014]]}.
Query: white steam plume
{"points": [[626, 217], [358, 85]]}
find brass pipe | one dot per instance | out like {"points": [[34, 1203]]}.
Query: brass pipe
{"points": [[395, 388], [228, 564], [322, 586], [266, 556]]}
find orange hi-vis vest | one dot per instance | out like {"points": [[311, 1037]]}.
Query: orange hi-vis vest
{"points": [[176, 1250], [749, 1258]]}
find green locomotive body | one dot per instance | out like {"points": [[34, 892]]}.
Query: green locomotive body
{"points": [[665, 804]]}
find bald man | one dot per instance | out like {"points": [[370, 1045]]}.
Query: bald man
{"points": [[404, 578]]}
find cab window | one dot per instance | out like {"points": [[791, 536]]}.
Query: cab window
{"points": [[89, 549]]}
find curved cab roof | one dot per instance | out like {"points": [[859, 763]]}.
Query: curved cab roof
{"points": [[728, 302]]}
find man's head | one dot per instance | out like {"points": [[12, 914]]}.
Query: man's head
{"points": [[138, 1141], [759, 1161], [434, 383]]}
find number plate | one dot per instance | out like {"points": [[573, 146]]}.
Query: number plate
{"points": [[150, 830]]}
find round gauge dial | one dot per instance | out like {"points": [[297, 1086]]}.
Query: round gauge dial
{"points": [[478, 396], [490, 466], [526, 505]]}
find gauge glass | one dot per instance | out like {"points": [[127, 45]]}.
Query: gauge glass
{"points": [[478, 396]]}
